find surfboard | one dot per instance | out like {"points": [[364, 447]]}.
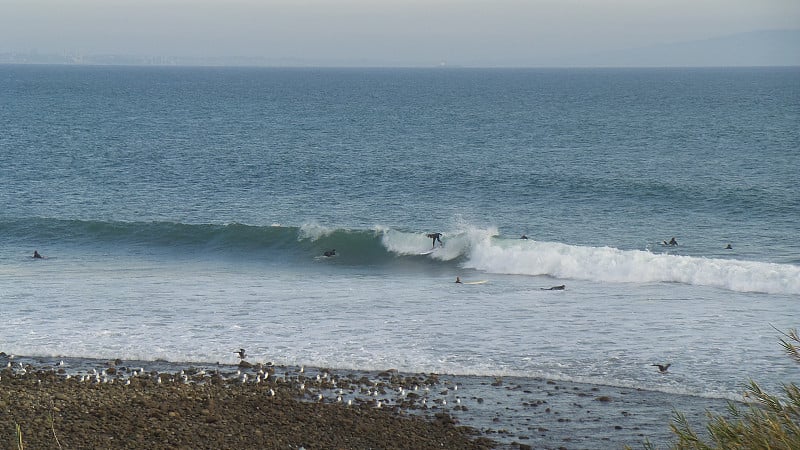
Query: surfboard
{"points": [[476, 282], [428, 252]]}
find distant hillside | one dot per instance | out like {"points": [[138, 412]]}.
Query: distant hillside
{"points": [[758, 48]]}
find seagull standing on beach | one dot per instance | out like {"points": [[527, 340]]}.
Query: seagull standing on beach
{"points": [[662, 367]]}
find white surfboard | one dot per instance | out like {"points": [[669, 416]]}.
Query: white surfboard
{"points": [[428, 252]]}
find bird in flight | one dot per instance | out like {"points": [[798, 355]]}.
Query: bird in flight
{"points": [[662, 367]]}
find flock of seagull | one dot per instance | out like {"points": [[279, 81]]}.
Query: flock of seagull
{"points": [[389, 389]]}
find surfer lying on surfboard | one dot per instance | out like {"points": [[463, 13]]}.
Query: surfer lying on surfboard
{"points": [[555, 288], [458, 280]]}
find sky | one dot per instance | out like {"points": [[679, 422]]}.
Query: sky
{"points": [[380, 32]]}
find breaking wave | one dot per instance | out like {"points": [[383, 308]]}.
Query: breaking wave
{"points": [[472, 248]]}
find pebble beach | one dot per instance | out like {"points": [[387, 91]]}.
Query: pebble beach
{"points": [[79, 403]]}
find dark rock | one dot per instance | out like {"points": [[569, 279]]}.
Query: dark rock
{"points": [[245, 365]]}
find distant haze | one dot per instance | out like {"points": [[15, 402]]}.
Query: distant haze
{"points": [[477, 33]]}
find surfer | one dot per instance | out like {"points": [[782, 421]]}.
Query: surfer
{"points": [[458, 280], [524, 237], [329, 253], [555, 288], [37, 255], [729, 247], [436, 237], [241, 354]]}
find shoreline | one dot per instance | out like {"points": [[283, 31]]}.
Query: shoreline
{"points": [[457, 411]]}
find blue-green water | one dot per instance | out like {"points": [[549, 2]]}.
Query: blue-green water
{"points": [[184, 211]]}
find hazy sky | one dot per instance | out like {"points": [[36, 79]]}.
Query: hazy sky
{"points": [[380, 32]]}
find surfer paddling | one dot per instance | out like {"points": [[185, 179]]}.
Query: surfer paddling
{"points": [[555, 288], [37, 255], [436, 237]]}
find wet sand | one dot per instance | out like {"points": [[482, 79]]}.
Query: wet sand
{"points": [[79, 403]]}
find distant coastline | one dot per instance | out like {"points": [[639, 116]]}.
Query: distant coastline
{"points": [[769, 48]]}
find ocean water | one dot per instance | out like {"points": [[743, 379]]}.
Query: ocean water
{"points": [[183, 213]]}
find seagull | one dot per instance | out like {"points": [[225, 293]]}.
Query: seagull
{"points": [[241, 353], [662, 367]]}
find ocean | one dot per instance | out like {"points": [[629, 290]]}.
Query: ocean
{"points": [[183, 213]]}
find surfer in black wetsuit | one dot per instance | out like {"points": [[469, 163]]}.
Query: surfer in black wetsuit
{"points": [[37, 255], [555, 288], [435, 237], [672, 242], [330, 253]]}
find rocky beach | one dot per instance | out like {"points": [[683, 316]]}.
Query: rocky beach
{"points": [[124, 408], [78, 403]]}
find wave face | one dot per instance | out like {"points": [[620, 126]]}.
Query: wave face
{"points": [[471, 248]]}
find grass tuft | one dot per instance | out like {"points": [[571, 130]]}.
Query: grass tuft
{"points": [[18, 439]]}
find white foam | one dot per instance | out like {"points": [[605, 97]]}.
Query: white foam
{"points": [[314, 231], [454, 243], [405, 243], [606, 264]]}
